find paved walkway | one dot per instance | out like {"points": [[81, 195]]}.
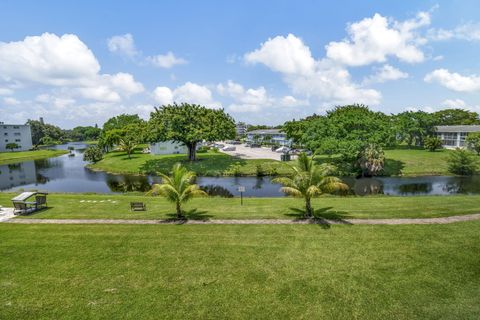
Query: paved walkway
{"points": [[6, 214], [444, 220]]}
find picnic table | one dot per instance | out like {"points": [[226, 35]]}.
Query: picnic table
{"points": [[22, 206]]}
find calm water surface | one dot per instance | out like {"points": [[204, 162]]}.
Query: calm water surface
{"points": [[68, 174]]}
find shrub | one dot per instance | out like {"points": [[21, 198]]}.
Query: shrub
{"points": [[260, 171], [203, 149], [234, 169], [432, 143], [473, 142], [371, 160], [12, 146], [93, 154], [462, 162]]}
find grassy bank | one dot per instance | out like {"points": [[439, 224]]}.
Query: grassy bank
{"points": [[208, 164], [239, 272], [416, 162], [79, 206], [12, 157]]}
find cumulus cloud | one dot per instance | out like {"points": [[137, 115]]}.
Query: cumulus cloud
{"points": [[64, 62], [11, 101], [245, 100], [5, 91], [166, 60], [188, 92], [372, 40], [122, 44], [454, 81], [386, 73], [287, 55], [454, 103], [324, 79], [291, 101]]}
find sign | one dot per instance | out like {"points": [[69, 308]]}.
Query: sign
{"points": [[241, 189]]}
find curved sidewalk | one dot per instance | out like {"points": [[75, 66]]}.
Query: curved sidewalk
{"points": [[443, 220]]}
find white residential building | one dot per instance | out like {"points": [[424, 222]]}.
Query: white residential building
{"points": [[272, 135], [15, 133], [241, 128], [454, 136], [168, 147]]}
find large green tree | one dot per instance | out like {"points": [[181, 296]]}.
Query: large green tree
{"points": [[190, 124], [121, 121], [414, 126], [41, 130], [449, 117]]}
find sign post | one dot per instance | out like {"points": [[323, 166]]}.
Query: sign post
{"points": [[241, 189]]}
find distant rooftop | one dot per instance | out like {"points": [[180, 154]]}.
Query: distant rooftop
{"points": [[465, 128], [266, 131]]}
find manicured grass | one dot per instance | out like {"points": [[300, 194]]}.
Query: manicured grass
{"points": [[68, 206], [12, 157], [208, 164], [416, 162], [239, 272]]}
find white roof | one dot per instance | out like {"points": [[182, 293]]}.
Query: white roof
{"points": [[23, 196]]}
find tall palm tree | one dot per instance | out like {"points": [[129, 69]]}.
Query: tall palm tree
{"points": [[178, 188], [310, 180]]}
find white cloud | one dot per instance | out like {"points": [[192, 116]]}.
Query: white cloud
{"points": [[468, 31], [5, 91], [166, 61], [290, 101], [287, 55], [386, 73], [48, 59], [163, 95], [323, 79], [372, 40], [454, 103], [64, 62], [122, 44], [454, 81], [11, 101], [245, 100], [188, 93]]}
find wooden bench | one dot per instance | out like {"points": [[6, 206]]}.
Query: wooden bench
{"points": [[138, 206]]}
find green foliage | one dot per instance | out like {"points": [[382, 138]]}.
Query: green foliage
{"points": [[48, 141], [432, 143], [83, 133], [310, 180], [203, 149], [462, 162], [260, 171], [93, 154], [190, 124], [41, 130], [413, 127], [473, 142], [372, 160], [12, 146], [449, 117], [121, 121], [178, 187]]}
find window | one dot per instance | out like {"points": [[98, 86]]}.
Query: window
{"points": [[463, 136], [16, 127], [18, 140], [5, 134], [450, 139], [16, 134], [6, 140]]}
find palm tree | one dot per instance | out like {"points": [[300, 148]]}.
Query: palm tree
{"points": [[127, 145], [309, 180], [178, 188]]}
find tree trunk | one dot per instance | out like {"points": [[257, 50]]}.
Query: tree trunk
{"points": [[192, 151], [179, 211], [308, 208]]}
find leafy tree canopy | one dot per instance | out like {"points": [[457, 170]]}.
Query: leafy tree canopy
{"points": [[449, 117], [121, 121], [190, 124], [414, 126]]}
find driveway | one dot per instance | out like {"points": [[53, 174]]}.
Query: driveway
{"points": [[244, 152]]}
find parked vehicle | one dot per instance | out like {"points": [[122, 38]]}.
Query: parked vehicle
{"points": [[283, 149], [236, 142], [229, 148], [219, 145], [255, 145]]}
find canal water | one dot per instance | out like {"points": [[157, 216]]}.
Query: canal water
{"points": [[68, 174]]}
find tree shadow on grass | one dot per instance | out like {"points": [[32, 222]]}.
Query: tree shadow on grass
{"points": [[321, 216], [192, 214]]}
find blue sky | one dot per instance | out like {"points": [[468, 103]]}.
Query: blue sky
{"points": [[79, 63]]}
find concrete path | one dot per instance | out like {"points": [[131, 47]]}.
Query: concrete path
{"points": [[6, 214], [245, 152], [444, 220]]}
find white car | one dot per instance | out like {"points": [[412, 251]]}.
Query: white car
{"points": [[283, 149], [229, 148]]}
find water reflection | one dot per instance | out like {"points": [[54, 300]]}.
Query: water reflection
{"points": [[68, 174]]}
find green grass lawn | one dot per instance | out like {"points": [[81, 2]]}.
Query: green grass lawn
{"points": [[208, 164], [12, 157], [240, 272], [69, 206], [416, 162]]}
